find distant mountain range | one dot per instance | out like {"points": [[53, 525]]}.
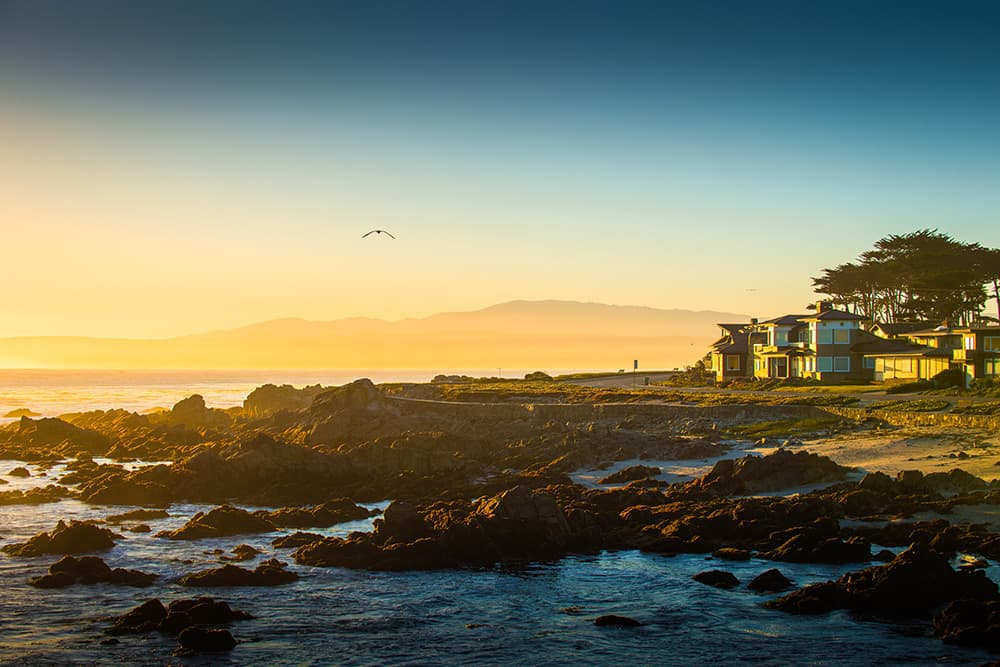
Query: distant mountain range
{"points": [[517, 334]]}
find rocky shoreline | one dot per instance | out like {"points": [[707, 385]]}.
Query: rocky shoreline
{"points": [[473, 491]]}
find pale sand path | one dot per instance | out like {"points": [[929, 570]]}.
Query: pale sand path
{"points": [[925, 448]]}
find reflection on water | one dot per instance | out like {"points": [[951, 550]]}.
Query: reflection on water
{"points": [[540, 614]]}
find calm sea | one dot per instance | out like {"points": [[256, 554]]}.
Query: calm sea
{"points": [[55, 392]]}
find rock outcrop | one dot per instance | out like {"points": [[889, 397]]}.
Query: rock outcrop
{"points": [[269, 573], [73, 538], [220, 522], [88, 570]]}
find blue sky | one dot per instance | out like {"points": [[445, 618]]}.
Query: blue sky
{"points": [[662, 154]]}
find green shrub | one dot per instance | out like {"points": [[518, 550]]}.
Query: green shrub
{"points": [[905, 387], [953, 377], [991, 408]]}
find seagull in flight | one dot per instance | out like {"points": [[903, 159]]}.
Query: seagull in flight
{"points": [[378, 231]]}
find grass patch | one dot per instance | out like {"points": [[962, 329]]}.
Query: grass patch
{"points": [[917, 405], [784, 428], [989, 408]]}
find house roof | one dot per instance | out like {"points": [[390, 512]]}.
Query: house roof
{"points": [[900, 328], [833, 314], [733, 328], [786, 320], [881, 347], [935, 331]]}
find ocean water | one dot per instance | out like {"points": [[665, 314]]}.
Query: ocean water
{"points": [[55, 392], [535, 614]]}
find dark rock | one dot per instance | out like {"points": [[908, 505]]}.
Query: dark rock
{"points": [[805, 547], [220, 522], [110, 641], [731, 553], [629, 474], [295, 540], [781, 469], [613, 620], [144, 618], [207, 611], [717, 578], [70, 570], [76, 537], [140, 528], [770, 581], [877, 481], [20, 471], [136, 515], [269, 573], [201, 640], [914, 583], [970, 623], [883, 556], [243, 552], [322, 516]]}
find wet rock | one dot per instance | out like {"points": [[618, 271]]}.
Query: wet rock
{"points": [[613, 620], [269, 573], [76, 537], [717, 578], [295, 540], [140, 528], [954, 481], [322, 516], [731, 553], [201, 640], [220, 522], [914, 583], [19, 471], [629, 474], [806, 547], [193, 413], [88, 570], [52, 493], [883, 556], [770, 581], [877, 481], [970, 623], [136, 515], [243, 552], [58, 435], [180, 614], [144, 618], [401, 523]]}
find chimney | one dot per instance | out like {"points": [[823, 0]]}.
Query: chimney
{"points": [[822, 306], [753, 321]]}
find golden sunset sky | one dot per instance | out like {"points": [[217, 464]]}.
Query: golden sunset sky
{"points": [[167, 173]]}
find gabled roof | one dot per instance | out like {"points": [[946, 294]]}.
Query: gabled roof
{"points": [[786, 320], [832, 314], [900, 328], [935, 331]]}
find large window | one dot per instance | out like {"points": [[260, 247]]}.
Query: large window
{"points": [[991, 343], [733, 362], [824, 337], [903, 365], [991, 367], [869, 362], [824, 364], [841, 336], [970, 342], [842, 364]]}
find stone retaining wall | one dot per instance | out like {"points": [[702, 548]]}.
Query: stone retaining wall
{"points": [[918, 418]]}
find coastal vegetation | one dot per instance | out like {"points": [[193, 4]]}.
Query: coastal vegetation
{"points": [[923, 276]]}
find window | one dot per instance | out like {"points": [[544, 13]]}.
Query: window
{"points": [[842, 364], [841, 336], [970, 342], [903, 365], [869, 362], [880, 365], [733, 362], [825, 337], [991, 367], [780, 337], [991, 343], [824, 364]]}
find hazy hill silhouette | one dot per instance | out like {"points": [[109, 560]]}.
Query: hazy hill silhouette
{"points": [[517, 334]]}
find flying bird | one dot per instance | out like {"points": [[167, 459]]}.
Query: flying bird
{"points": [[378, 231]]}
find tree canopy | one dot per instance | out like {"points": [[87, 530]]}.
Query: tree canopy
{"points": [[920, 276]]}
